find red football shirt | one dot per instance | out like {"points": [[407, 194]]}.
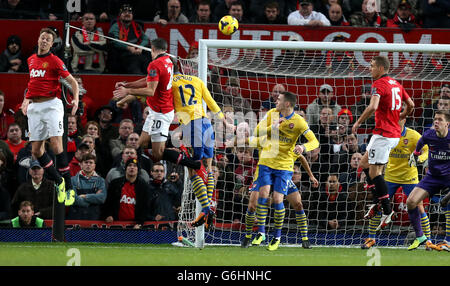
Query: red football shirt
{"points": [[45, 71], [391, 94], [161, 70], [127, 202]]}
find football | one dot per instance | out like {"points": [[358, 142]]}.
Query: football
{"points": [[228, 25]]}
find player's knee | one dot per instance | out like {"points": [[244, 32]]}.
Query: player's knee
{"points": [[411, 203], [298, 206]]}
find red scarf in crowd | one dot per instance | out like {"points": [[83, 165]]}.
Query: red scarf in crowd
{"points": [[86, 41], [124, 31], [333, 196]]}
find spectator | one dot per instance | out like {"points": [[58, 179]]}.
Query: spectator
{"points": [[73, 135], [237, 11], [128, 197], [116, 145], [119, 171], [271, 101], [233, 97], [340, 62], [292, 61], [20, 173], [173, 15], [105, 116], [123, 58], [132, 141], [16, 9], [344, 119], [203, 13], [368, 17], [132, 111], [5, 197], [222, 8], [90, 189], [361, 105], [12, 59], [90, 141], [390, 7], [333, 205], [325, 98], [14, 139], [75, 163], [428, 111], [350, 146], [243, 180], [321, 130], [336, 16], [38, 190], [5, 117], [306, 16], [165, 195], [26, 217], [435, 13], [89, 47], [272, 15], [404, 17], [350, 177]]}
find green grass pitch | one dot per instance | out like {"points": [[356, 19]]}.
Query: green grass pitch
{"points": [[95, 254]]}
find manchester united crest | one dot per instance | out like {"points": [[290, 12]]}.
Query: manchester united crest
{"points": [[44, 65]]}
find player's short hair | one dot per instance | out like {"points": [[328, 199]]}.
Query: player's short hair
{"points": [[290, 97], [159, 44], [48, 31], [382, 61], [445, 113]]}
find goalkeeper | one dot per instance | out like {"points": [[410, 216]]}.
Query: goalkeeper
{"points": [[401, 171], [283, 127]]}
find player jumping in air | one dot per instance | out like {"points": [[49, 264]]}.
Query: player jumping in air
{"points": [[387, 98], [45, 113], [437, 177], [283, 127], [157, 88]]}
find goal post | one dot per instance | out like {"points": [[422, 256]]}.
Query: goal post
{"points": [[258, 67]]}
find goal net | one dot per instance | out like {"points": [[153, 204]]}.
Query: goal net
{"points": [[332, 82]]}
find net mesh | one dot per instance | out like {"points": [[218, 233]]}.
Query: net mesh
{"points": [[242, 82]]}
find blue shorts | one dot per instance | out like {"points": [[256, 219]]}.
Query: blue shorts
{"points": [[292, 188], [279, 179], [199, 135], [393, 187], [433, 185]]}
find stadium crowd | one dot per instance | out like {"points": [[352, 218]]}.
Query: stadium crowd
{"points": [[102, 144]]}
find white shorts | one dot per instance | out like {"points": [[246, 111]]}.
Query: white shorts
{"points": [[157, 125], [379, 148], [45, 119]]}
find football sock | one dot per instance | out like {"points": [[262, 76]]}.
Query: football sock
{"points": [[210, 186], [425, 223], [414, 218], [47, 164], [249, 221], [374, 222], [278, 218], [261, 214], [302, 223], [64, 169], [382, 194], [447, 224], [199, 189]]}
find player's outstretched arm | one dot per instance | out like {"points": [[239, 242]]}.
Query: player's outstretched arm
{"points": [[306, 166], [133, 84]]}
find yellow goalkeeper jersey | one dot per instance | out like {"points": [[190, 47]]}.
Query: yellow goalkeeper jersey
{"points": [[398, 169], [188, 95], [278, 148]]}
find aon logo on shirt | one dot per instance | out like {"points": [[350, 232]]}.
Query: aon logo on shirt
{"points": [[128, 200], [37, 73]]}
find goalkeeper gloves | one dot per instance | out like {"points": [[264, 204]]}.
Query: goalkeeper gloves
{"points": [[414, 159]]}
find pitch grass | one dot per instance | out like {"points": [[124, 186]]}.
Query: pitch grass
{"points": [[96, 254]]}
